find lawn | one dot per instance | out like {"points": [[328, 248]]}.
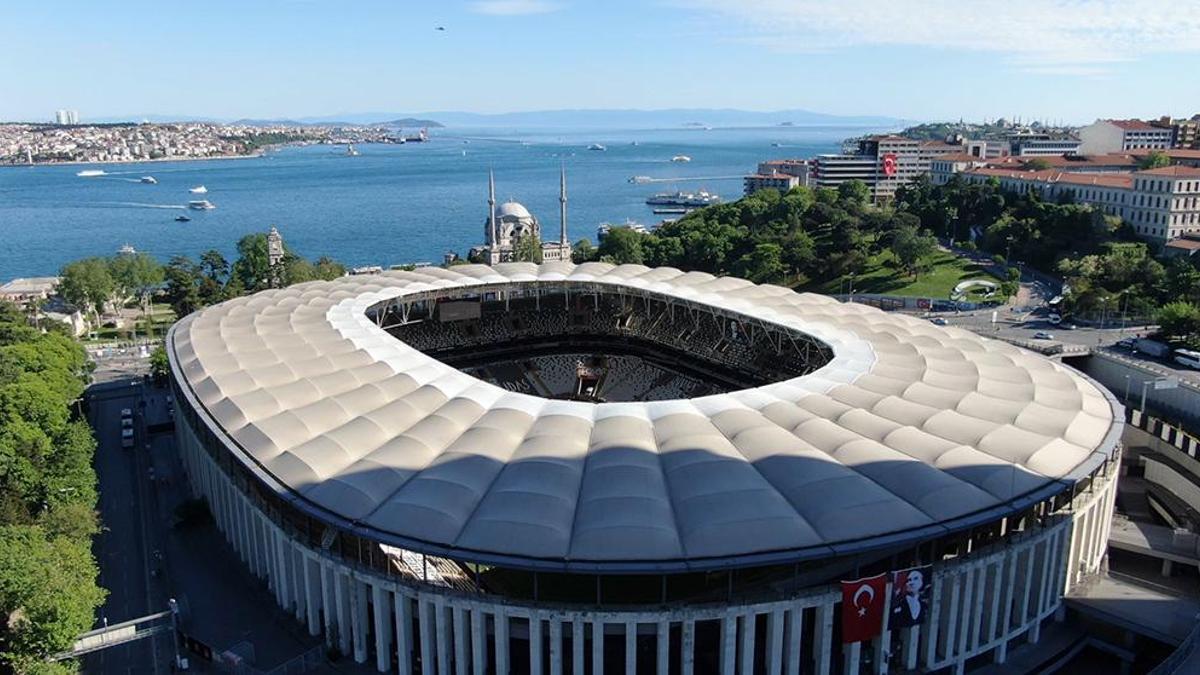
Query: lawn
{"points": [[884, 277]]}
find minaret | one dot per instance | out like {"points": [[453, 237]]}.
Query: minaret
{"points": [[493, 240], [562, 205]]}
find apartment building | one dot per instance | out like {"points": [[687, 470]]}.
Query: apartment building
{"points": [[1037, 144]]}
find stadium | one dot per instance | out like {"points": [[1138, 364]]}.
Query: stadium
{"points": [[592, 468]]}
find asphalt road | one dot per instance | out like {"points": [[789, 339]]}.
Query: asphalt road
{"points": [[124, 549]]}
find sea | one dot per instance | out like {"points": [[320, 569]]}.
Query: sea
{"points": [[390, 205]]}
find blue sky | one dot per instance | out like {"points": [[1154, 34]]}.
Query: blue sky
{"points": [[1073, 60]]}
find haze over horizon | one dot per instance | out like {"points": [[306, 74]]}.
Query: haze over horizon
{"points": [[287, 59]]}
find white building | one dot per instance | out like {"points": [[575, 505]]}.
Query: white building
{"points": [[1035, 144], [883, 163], [66, 117], [1161, 204], [1107, 136]]}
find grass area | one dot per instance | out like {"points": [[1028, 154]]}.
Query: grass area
{"points": [[883, 276]]}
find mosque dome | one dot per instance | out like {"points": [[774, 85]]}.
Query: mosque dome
{"points": [[512, 210]]}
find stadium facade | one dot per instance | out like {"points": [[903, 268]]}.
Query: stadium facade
{"points": [[407, 463]]}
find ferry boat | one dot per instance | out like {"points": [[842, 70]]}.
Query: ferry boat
{"points": [[681, 158], [150, 180], [89, 173], [198, 190], [126, 249], [182, 218], [684, 199], [597, 146], [201, 205], [605, 228]]}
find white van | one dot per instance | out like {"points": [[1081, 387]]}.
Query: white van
{"points": [[1188, 358]]}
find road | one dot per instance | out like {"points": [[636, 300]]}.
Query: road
{"points": [[124, 549]]}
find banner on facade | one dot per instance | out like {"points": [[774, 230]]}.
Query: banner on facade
{"points": [[862, 608], [910, 597]]}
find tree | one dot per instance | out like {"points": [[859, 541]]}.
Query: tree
{"points": [[854, 192], [912, 246], [160, 365], [87, 284], [137, 274], [1155, 159], [583, 251], [213, 273], [622, 245], [1180, 321], [1036, 164], [183, 289], [252, 267], [527, 248], [48, 594], [328, 269], [763, 265]]}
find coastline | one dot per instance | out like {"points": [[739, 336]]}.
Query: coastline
{"points": [[108, 162]]}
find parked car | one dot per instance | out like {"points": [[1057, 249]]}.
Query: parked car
{"points": [[1188, 358], [126, 412], [1127, 343], [939, 321], [1042, 335], [126, 422]]}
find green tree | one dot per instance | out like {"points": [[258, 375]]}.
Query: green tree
{"points": [[854, 192], [1180, 321], [183, 287], [87, 284], [527, 248], [911, 247], [252, 267], [328, 269], [762, 265], [160, 365], [1155, 159], [138, 275], [48, 594], [622, 245], [583, 251]]}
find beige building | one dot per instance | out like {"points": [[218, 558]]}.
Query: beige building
{"points": [[884, 163], [1161, 204], [1107, 136]]}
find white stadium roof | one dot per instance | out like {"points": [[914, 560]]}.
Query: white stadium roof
{"points": [[910, 431]]}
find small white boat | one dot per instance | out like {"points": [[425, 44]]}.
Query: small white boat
{"points": [[201, 205], [681, 158], [89, 173], [150, 180], [199, 190], [351, 152], [597, 146]]}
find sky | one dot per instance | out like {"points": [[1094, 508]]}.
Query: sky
{"points": [[1054, 60]]}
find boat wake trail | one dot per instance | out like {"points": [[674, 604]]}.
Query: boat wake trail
{"points": [[140, 205]]}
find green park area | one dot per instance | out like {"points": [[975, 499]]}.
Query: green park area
{"points": [[882, 274]]}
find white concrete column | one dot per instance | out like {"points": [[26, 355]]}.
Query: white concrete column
{"points": [[328, 602], [441, 636], [501, 620], [1010, 577], [556, 660], [425, 627], [728, 643], [748, 625], [281, 584], [312, 594], [949, 636], [577, 646], [403, 614], [382, 607], [851, 655], [882, 645], [358, 618], [823, 651], [631, 629], [967, 611], [597, 646], [343, 611], [687, 647], [912, 648], [793, 636], [535, 644], [662, 648], [478, 641], [982, 604], [774, 650], [995, 593], [931, 628], [296, 574], [461, 663]]}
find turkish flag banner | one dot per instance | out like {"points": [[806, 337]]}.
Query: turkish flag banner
{"points": [[862, 608]]}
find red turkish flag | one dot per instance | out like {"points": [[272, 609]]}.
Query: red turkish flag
{"points": [[889, 164], [862, 608]]}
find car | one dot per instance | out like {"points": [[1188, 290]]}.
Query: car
{"points": [[1127, 343], [1042, 335], [126, 433], [126, 412], [126, 422], [127, 443], [939, 321]]}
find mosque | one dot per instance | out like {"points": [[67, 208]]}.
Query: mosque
{"points": [[510, 221]]}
